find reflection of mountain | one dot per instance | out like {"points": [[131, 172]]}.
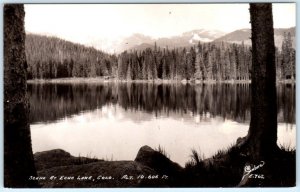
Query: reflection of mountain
{"points": [[49, 102]]}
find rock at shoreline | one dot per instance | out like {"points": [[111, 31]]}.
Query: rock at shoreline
{"points": [[55, 153], [88, 172], [100, 174], [160, 163], [58, 157]]}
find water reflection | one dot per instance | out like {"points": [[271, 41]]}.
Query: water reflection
{"points": [[114, 120], [50, 102], [111, 132]]}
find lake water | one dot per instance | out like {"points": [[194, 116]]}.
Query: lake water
{"points": [[113, 120]]}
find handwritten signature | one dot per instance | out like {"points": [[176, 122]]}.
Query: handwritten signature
{"points": [[248, 170]]}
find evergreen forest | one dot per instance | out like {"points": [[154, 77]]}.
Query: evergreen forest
{"points": [[51, 57]]}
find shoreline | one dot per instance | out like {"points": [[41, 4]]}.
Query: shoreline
{"points": [[83, 80], [152, 168]]}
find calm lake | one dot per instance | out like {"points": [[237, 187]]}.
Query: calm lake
{"points": [[113, 120]]}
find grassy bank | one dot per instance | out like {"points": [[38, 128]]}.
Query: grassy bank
{"points": [[224, 169]]}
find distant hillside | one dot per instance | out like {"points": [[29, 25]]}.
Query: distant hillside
{"points": [[51, 57], [238, 35], [243, 35], [142, 46], [140, 42]]}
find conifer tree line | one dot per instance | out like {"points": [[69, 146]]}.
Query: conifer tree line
{"points": [[285, 60], [50, 57], [209, 61]]}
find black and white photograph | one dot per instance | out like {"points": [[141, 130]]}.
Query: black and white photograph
{"points": [[149, 95]]}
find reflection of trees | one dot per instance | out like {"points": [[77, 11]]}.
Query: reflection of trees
{"points": [[50, 102], [231, 101], [286, 103]]}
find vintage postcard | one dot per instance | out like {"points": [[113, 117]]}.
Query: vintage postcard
{"points": [[149, 95]]}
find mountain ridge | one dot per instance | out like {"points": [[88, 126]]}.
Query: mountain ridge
{"points": [[138, 41], [243, 35], [205, 36]]}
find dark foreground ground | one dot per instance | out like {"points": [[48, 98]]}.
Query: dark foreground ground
{"points": [[151, 168]]}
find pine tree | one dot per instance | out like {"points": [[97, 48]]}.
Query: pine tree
{"points": [[198, 66], [18, 156], [262, 135]]}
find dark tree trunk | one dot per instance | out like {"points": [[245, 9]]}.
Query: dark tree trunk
{"points": [[18, 157], [262, 135], [260, 144]]}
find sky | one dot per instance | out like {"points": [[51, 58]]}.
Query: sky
{"points": [[83, 23]]}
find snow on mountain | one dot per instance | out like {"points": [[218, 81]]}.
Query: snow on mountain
{"points": [[183, 40], [243, 35], [140, 42], [197, 38]]}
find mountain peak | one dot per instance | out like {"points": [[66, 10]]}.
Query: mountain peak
{"points": [[138, 41], [243, 35]]}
